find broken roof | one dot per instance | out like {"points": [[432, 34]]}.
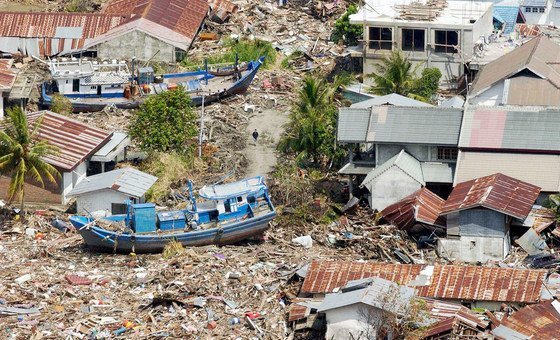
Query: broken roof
{"points": [[470, 283], [449, 316], [390, 99], [394, 124], [404, 161], [75, 140], [423, 206], [537, 57], [507, 128], [7, 75], [538, 321], [498, 192], [129, 181]]}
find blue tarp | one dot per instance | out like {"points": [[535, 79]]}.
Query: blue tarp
{"points": [[507, 15]]}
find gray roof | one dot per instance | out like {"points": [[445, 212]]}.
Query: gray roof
{"points": [[116, 145], [455, 101], [394, 124], [390, 99], [375, 295], [128, 181], [437, 172], [355, 169], [534, 3], [404, 161], [508, 333], [504, 128]]}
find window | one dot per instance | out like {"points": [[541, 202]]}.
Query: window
{"points": [[239, 199], [446, 153], [76, 85], [180, 54], [380, 38], [541, 10], [445, 41], [527, 9], [535, 10], [413, 40]]}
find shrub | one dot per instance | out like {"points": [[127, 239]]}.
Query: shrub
{"points": [[170, 168], [61, 104], [346, 32], [165, 122], [428, 83]]}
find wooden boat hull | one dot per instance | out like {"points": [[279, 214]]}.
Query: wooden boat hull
{"points": [[104, 240]]}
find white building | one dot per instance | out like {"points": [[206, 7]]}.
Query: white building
{"points": [[434, 33]]}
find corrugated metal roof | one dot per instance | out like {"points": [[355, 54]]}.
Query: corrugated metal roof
{"points": [[423, 206], [404, 161], [7, 75], [534, 3], [538, 169], [531, 91], [390, 99], [117, 143], [537, 56], [75, 140], [394, 124], [355, 169], [497, 192], [453, 102], [510, 129], [450, 315], [129, 181], [469, 283], [508, 16], [538, 321]]}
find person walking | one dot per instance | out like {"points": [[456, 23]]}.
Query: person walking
{"points": [[255, 136]]}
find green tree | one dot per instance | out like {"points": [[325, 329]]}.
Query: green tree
{"points": [[165, 122], [428, 83], [346, 32], [395, 74], [311, 130], [22, 154]]}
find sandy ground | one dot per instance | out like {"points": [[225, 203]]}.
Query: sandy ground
{"points": [[262, 157]]}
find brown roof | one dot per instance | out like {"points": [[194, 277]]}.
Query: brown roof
{"points": [[531, 91], [181, 16], [50, 25], [76, 141], [422, 206], [497, 192], [538, 321], [469, 283], [537, 57], [450, 316], [7, 74]]}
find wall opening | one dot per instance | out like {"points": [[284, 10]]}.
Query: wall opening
{"points": [[380, 38], [413, 40], [445, 41]]}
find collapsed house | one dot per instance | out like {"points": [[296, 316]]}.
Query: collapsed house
{"points": [[77, 144], [538, 321], [479, 217], [437, 33], [7, 79]]}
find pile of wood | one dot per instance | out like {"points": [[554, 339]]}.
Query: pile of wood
{"points": [[419, 10]]}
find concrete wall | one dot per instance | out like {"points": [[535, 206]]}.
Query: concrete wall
{"points": [[474, 249], [423, 153], [136, 43], [390, 187], [484, 26], [494, 96], [99, 200], [351, 322]]}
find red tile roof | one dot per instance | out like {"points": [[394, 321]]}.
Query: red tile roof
{"points": [[76, 141], [423, 206], [7, 74], [181, 16], [469, 283], [497, 192], [538, 321]]}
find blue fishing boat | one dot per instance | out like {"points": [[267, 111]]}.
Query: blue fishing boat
{"points": [[227, 213], [91, 86]]}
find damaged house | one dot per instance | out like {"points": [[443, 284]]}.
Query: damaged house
{"points": [[78, 143], [433, 33], [479, 216], [400, 149]]}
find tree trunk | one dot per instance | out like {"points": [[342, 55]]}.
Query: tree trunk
{"points": [[22, 200]]}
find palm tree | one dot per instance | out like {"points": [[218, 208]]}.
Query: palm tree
{"points": [[395, 75], [22, 155]]}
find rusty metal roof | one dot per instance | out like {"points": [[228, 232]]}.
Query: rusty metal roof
{"points": [[470, 283], [222, 9], [422, 206], [498, 192], [76, 141], [181, 16], [449, 316], [56, 25], [7, 74], [538, 321]]}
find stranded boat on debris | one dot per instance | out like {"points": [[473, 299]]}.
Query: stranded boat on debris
{"points": [[91, 86], [229, 213]]}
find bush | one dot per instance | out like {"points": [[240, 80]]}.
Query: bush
{"points": [[171, 169], [428, 83], [61, 104], [165, 122], [346, 32]]}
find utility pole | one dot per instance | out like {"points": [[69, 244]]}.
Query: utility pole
{"points": [[201, 129]]}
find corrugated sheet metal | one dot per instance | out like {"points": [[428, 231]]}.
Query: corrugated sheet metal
{"points": [[535, 55], [390, 99], [7, 75], [469, 283], [404, 161], [129, 181], [531, 91], [508, 16], [508, 128], [222, 9], [538, 321], [423, 206], [497, 192], [76, 141], [540, 170], [451, 316], [393, 124]]}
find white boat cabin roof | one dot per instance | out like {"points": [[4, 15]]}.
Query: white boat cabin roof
{"points": [[234, 189]]}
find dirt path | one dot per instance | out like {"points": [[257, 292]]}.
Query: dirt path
{"points": [[262, 157]]}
